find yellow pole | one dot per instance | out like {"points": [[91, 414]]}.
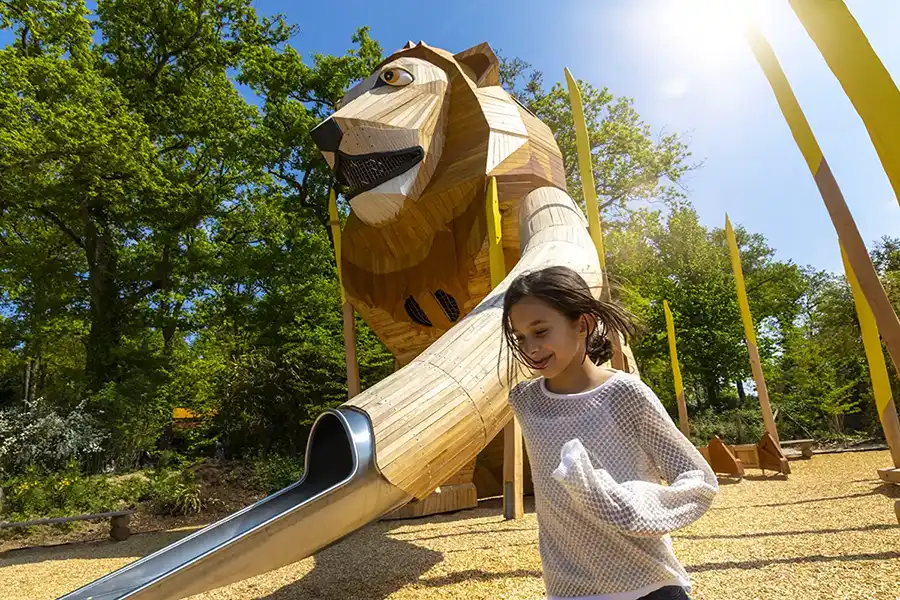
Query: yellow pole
{"points": [[750, 333], [586, 172], [353, 386], [852, 244], [335, 223], [495, 239], [881, 385], [586, 168], [861, 73], [513, 483], [676, 372]]}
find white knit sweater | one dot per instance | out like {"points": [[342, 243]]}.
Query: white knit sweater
{"points": [[596, 461]]}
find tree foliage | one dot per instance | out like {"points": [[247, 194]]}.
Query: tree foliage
{"points": [[630, 164], [164, 242]]}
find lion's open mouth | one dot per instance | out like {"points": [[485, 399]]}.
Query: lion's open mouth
{"points": [[361, 172]]}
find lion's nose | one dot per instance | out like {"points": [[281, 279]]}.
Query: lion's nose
{"points": [[327, 135]]}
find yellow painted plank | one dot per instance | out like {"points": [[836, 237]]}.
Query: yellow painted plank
{"points": [[585, 168], [865, 80]]}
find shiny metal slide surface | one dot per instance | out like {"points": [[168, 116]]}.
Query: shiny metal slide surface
{"points": [[341, 490]]}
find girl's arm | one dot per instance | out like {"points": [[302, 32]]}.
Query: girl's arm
{"points": [[640, 508]]}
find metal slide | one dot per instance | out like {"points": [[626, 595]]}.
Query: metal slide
{"points": [[341, 486]]}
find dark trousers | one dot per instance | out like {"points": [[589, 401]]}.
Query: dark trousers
{"points": [[670, 592]]}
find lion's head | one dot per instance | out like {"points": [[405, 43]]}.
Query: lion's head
{"points": [[387, 138], [411, 148]]}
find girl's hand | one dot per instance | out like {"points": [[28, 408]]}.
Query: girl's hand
{"points": [[572, 454]]}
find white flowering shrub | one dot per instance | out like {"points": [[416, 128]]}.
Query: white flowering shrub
{"points": [[38, 434]]}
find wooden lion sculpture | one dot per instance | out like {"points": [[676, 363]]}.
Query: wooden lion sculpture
{"points": [[412, 148]]}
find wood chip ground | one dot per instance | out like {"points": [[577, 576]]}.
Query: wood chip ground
{"points": [[829, 531]]}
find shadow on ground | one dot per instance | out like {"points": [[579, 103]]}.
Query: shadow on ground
{"points": [[358, 568], [886, 489], [818, 558], [372, 567], [137, 546], [375, 568]]}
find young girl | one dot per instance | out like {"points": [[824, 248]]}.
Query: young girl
{"points": [[598, 441]]}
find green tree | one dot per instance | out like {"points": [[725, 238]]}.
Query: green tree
{"points": [[297, 97], [629, 164], [652, 257], [821, 376], [159, 232], [127, 146]]}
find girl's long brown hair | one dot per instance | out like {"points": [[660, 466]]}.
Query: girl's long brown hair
{"points": [[566, 291]]}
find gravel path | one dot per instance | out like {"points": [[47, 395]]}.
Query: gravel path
{"points": [[829, 531]]}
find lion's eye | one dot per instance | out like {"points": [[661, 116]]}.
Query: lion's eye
{"points": [[396, 76]]}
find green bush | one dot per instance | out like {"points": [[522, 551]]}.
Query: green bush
{"points": [[170, 459], [38, 493], [270, 473], [735, 426], [175, 492]]}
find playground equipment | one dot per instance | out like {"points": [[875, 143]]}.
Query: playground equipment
{"points": [[676, 371], [346, 308], [724, 459], [731, 460], [415, 147], [767, 454], [870, 88], [586, 173]]}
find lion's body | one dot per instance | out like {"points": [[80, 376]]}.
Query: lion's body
{"points": [[414, 146]]}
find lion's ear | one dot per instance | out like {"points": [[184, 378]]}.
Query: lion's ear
{"points": [[483, 63]]}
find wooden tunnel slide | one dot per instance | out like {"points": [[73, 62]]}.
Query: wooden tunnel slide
{"points": [[415, 148], [396, 441]]}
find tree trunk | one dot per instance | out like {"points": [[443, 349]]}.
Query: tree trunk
{"points": [[742, 396], [712, 393], [106, 326], [36, 368], [26, 389], [168, 311], [170, 316]]}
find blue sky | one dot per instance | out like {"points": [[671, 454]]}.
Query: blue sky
{"points": [[687, 72]]}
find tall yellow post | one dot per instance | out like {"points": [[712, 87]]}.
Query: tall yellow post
{"points": [[881, 385], [852, 245], [495, 234], [750, 334], [353, 386], [586, 172], [513, 483], [865, 80], [676, 372]]}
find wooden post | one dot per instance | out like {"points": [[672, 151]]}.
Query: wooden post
{"points": [[881, 385], [676, 372], [586, 172], [350, 350], [513, 502], [862, 75], [347, 309], [874, 94], [853, 250], [750, 334], [513, 480]]}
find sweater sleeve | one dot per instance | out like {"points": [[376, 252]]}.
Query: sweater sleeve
{"points": [[642, 508]]}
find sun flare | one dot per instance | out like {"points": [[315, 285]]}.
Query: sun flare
{"points": [[708, 33]]}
